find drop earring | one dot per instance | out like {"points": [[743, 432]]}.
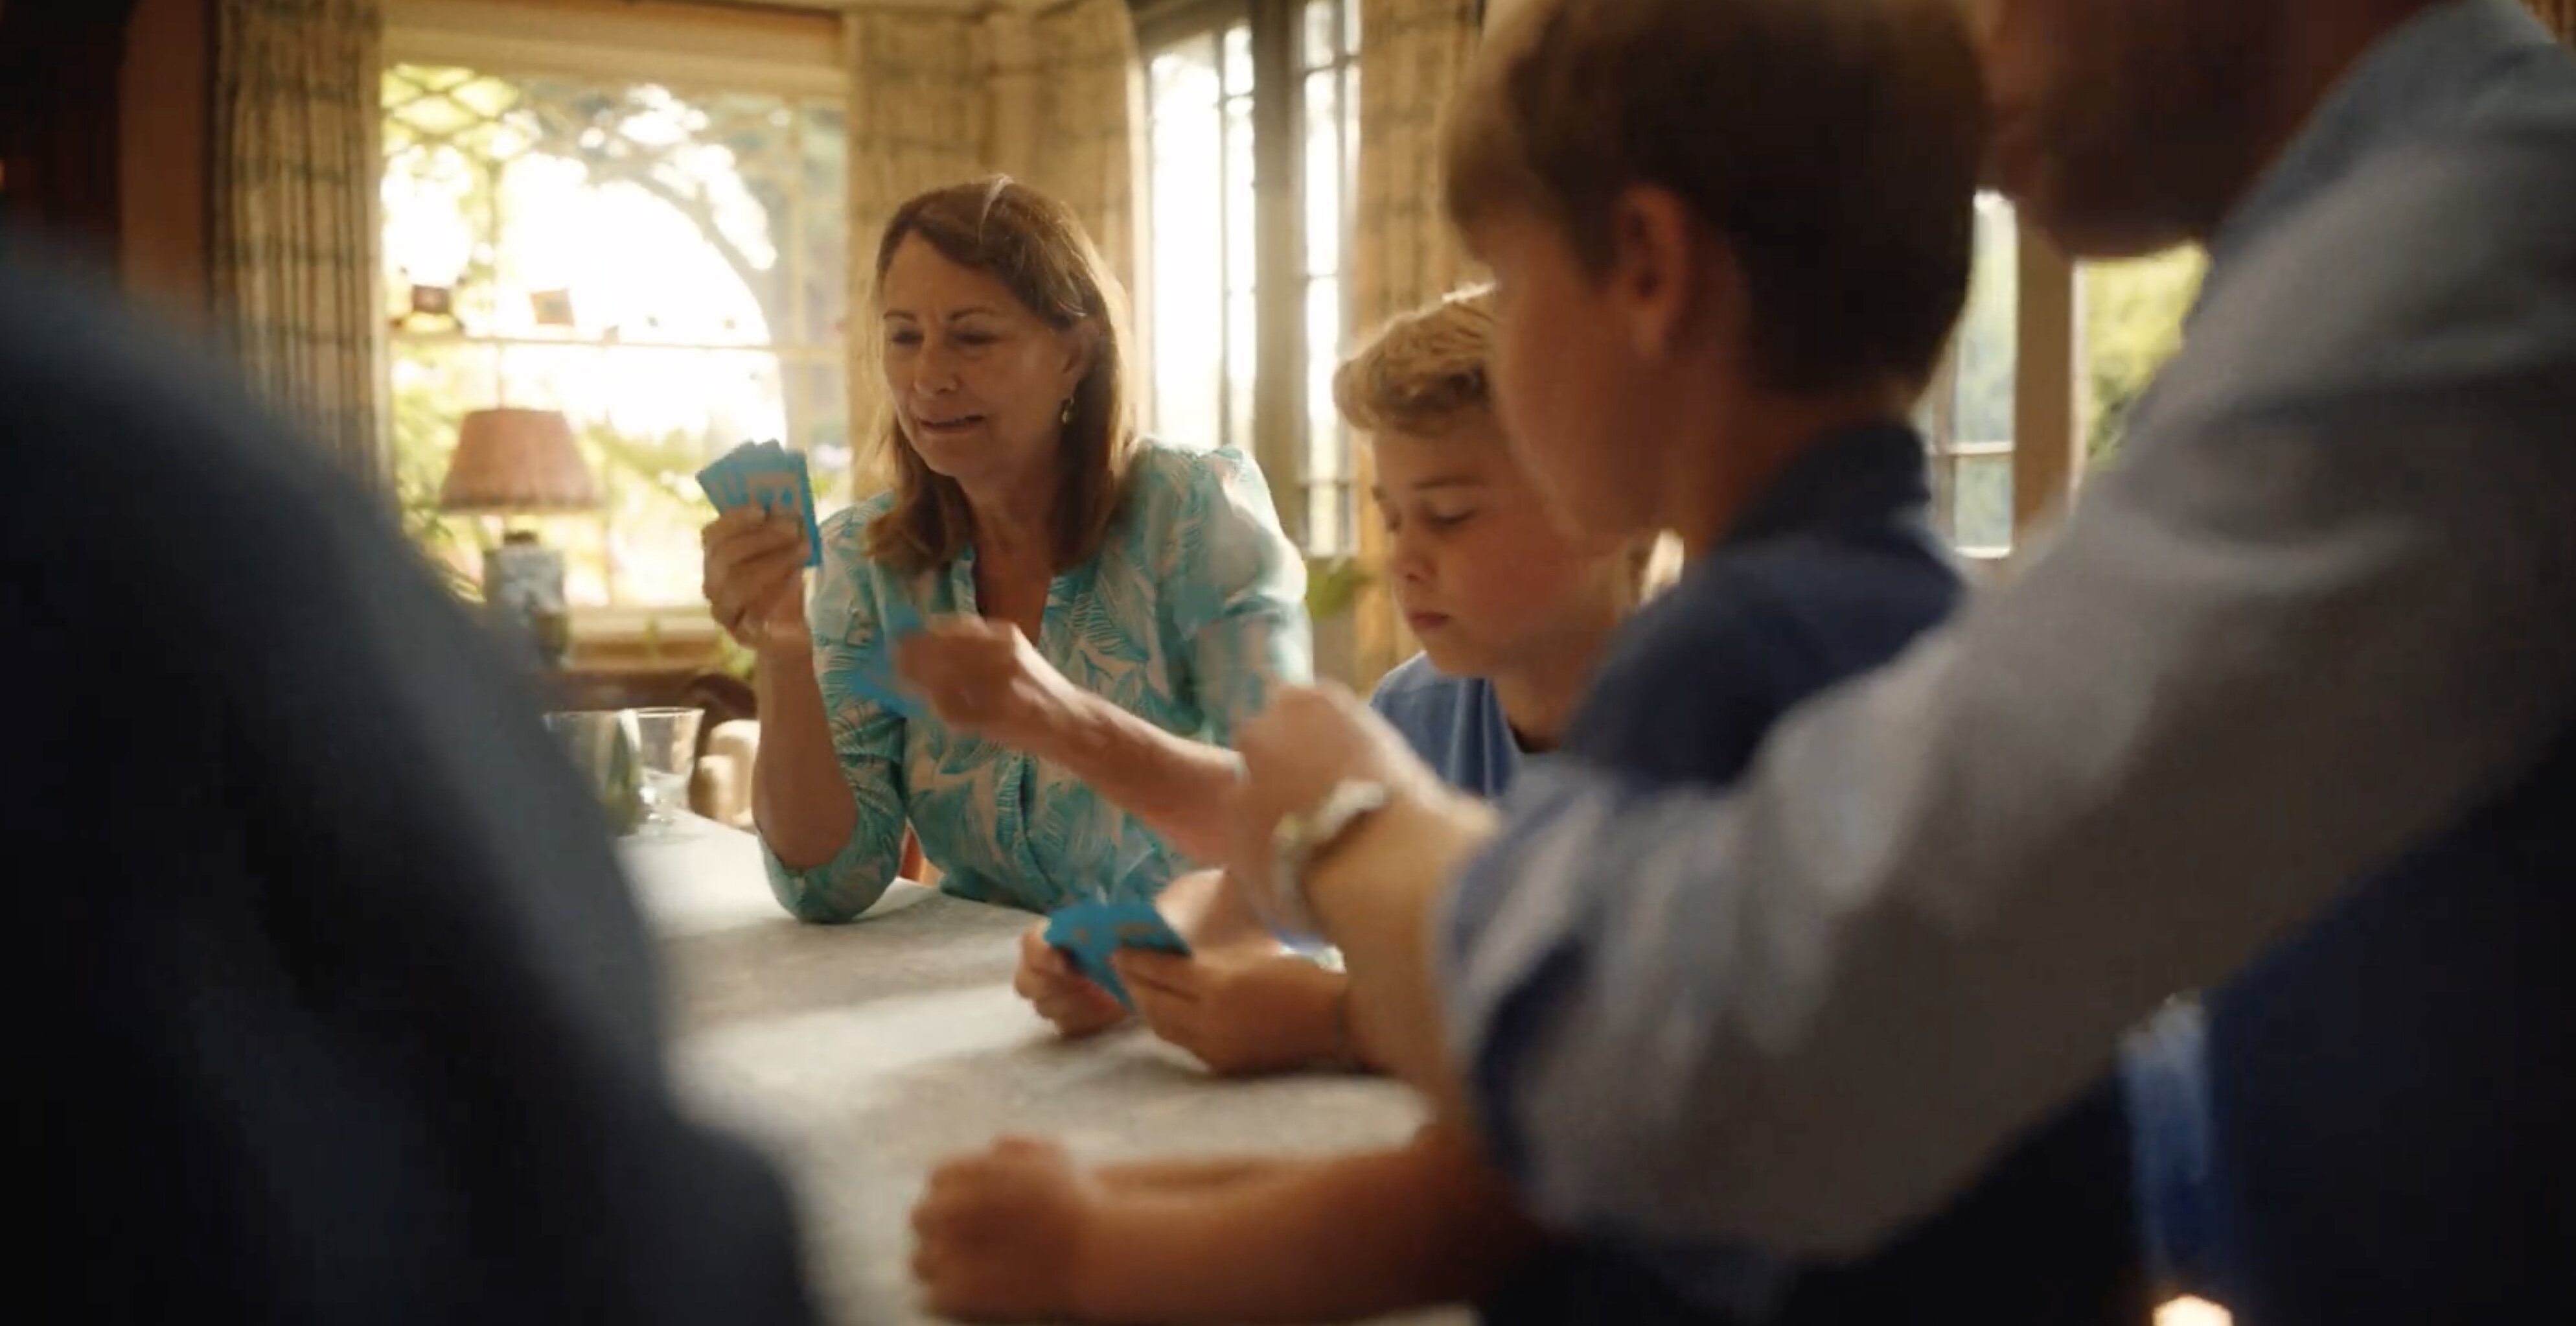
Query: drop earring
{"points": [[1065, 415]]}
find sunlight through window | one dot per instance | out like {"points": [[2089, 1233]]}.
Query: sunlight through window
{"points": [[669, 269]]}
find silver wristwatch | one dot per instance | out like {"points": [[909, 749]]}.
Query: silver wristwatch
{"points": [[1302, 840]]}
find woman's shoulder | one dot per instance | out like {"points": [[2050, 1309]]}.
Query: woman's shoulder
{"points": [[1170, 477], [1202, 513]]}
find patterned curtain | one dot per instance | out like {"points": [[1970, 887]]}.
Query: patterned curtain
{"points": [[2560, 15], [1090, 118], [918, 120], [1412, 56], [295, 229]]}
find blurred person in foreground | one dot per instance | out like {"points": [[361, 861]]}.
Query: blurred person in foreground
{"points": [[336, 1009]]}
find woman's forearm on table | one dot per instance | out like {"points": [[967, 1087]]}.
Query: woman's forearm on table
{"points": [[1182, 788], [1329, 1240], [799, 798]]}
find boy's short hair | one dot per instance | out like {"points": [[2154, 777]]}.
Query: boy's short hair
{"points": [[1834, 144], [1422, 371]]}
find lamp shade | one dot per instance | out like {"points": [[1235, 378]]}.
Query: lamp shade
{"points": [[513, 461]]}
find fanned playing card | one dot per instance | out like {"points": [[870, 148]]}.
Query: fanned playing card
{"points": [[723, 480], [717, 480], [1090, 932], [771, 476], [782, 483]]}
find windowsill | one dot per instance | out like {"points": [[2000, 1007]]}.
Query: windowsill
{"points": [[645, 639]]}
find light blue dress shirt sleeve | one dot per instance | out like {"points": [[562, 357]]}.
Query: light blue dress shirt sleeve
{"points": [[2318, 612]]}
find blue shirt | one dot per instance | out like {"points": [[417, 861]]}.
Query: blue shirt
{"points": [[1830, 572], [1195, 599], [2287, 696], [1455, 724]]}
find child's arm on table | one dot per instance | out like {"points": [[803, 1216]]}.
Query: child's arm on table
{"points": [[1139, 1176], [1246, 1010], [1018, 1234], [1212, 914], [1240, 1002]]}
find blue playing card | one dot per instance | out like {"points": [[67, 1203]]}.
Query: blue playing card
{"points": [[1090, 932], [724, 481], [739, 465], [779, 480], [769, 476], [717, 480]]}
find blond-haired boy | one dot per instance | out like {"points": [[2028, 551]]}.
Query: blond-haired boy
{"points": [[1513, 613]]}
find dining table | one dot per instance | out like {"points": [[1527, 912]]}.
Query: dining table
{"points": [[860, 1055]]}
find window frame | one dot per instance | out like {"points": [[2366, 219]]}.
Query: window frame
{"points": [[1282, 422], [2047, 444], [2048, 432]]}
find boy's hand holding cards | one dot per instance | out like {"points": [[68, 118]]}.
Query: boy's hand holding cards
{"points": [[1091, 932], [766, 475]]}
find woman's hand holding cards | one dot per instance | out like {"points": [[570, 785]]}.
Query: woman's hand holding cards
{"points": [[984, 677], [755, 578]]}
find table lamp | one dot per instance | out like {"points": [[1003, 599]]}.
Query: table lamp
{"points": [[517, 462], [521, 463]]}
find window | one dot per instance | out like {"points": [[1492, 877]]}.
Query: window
{"points": [[669, 268], [1968, 415], [2131, 324], [2066, 352], [1254, 109], [1200, 185], [1330, 186]]}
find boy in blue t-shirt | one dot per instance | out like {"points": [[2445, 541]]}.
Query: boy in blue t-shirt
{"points": [[1513, 614]]}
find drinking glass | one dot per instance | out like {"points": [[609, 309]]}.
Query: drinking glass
{"points": [[667, 747], [602, 745]]}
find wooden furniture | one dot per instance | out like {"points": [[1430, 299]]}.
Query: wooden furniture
{"points": [[636, 687], [60, 122]]}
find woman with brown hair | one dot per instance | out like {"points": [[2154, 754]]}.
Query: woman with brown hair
{"points": [[1094, 609]]}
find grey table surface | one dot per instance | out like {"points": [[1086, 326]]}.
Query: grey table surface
{"points": [[860, 1055]]}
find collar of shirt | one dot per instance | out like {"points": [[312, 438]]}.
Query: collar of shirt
{"points": [[2429, 70], [1870, 475]]}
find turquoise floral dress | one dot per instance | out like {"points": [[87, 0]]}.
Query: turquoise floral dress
{"points": [[1196, 597]]}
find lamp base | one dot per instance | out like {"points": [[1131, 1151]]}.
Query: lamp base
{"points": [[523, 582]]}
